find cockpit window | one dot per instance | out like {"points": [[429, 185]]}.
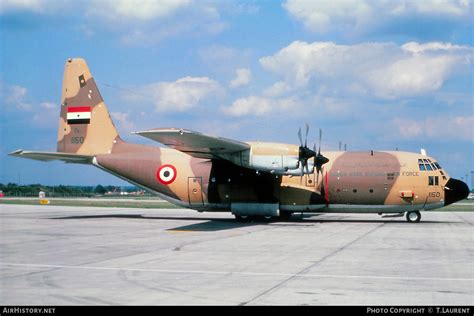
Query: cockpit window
{"points": [[428, 165]]}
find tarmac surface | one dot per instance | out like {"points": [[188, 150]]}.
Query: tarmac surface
{"points": [[58, 255]]}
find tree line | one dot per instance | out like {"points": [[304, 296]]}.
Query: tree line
{"points": [[13, 189]]}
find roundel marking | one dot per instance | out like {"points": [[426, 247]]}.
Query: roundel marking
{"points": [[166, 174]]}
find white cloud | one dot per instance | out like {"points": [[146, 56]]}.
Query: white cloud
{"points": [[416, 48], [320, 16], [141, 10], [242, 78], [384, 70], [279, 88], [452, 8], [258, 106], [46, 115], [361, 15], [123, 120], [23, 5], [450, 127], [41, 7], [178, 96], [411, 76], [14, 96], [48, 105]]}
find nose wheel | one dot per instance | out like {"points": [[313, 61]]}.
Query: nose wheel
{"points": [[413, 217]]}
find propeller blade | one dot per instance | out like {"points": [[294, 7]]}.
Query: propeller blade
{"points": [[320, 137], [306, 137], [302, 172], [317, 176], [319, 159], [299, 136]]}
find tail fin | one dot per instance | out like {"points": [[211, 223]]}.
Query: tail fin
{"points": [[85, 126]]}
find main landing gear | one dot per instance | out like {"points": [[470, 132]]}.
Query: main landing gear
{"points": [[413, 217], [284, 216]]}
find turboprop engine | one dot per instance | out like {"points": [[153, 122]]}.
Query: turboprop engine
{"points": [[281, 159]]}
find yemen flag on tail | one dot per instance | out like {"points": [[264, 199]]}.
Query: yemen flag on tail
{"points": [[79, 114]]}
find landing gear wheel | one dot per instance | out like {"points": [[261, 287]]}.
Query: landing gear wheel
{"points": [[243, 218], [413, 217]]}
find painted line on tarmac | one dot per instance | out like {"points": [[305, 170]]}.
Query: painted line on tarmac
{"points": [[330, 276]]}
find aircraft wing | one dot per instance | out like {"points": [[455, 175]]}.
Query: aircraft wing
{"points": [[49, 156], [193, 143]]}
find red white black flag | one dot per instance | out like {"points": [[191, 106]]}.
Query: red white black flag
{"points": [[79, 114]]}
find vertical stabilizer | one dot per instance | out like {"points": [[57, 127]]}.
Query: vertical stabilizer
{"points": [[85, 126]]}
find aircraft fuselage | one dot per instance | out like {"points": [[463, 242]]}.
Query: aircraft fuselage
{"points": [[368, 181]]}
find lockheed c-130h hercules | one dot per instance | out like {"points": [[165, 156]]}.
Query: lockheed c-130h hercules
{"points": [[249, 179]]}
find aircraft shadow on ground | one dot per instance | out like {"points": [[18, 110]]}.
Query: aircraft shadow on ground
{"points": [[209, 224]]}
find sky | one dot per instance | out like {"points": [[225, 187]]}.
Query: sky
{"points": [[375, 75]]}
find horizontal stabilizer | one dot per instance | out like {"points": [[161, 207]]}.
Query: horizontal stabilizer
{"points": [[49, 156], [193, 143]]}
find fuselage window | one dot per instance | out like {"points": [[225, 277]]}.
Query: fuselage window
{"points": [[436, 180], [428, 167], [422, 167]]}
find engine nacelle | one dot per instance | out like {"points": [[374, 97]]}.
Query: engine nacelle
{"points": [[275, 163], [281, 165], [281, 159]]}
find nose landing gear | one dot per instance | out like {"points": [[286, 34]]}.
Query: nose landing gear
{"points": [[413, 217]]}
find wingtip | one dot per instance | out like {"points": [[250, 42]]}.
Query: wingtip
{"points": [[16, 152]]}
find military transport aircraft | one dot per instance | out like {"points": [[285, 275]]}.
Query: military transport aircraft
{"points": [[249, 179]]}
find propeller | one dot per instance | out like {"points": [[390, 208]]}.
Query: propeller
{"points": [[305, 153], [319, 160]]}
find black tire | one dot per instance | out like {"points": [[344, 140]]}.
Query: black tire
{"points": [[413, 217]]}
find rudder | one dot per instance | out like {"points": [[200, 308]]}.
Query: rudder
{"points": [[85, 125]]}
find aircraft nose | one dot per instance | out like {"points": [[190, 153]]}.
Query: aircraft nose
{"points": [[455, 190]]}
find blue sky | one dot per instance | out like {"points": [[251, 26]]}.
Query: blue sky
{"points": [[373, 74]]}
